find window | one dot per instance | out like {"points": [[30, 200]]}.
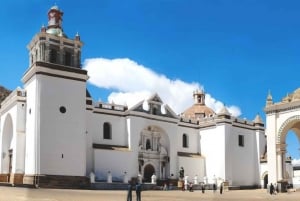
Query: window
{"points": [[107, 131], [185, 141], [53, 56], [241, 141], [68, 57], [154, 111], [62, 109], [148, 144]]}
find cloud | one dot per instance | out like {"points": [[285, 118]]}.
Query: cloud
{"points": [[296, 162], [131, 82]]}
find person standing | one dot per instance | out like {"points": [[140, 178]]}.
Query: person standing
{"points": [[138, 189], [271, 189], [129, 191], [221, 188], [203, 188]]}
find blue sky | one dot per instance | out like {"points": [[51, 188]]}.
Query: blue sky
{"points": [[236, 50]]}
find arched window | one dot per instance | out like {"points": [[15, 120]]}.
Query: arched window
{"points": [[107, 131], [148, 144], [184, 140]]}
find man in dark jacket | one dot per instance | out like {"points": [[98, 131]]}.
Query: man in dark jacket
{"points": [[129, 191], [138, 189]]}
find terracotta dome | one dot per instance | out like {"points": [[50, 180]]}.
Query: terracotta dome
{"points": [[199, 109]]}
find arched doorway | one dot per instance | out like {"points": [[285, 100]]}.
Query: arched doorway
{"points": [[266, 181], [148, 172], [7, 151]]}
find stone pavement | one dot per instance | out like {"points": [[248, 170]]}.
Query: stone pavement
{"points": [[30, 194]]}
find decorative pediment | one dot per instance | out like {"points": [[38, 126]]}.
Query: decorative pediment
{"points": [[154, 106]]}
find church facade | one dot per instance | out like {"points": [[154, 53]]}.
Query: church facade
{"points": [[52, 132]]}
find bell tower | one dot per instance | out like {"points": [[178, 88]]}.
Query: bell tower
{"points": [[52, 45], [55, 87]]}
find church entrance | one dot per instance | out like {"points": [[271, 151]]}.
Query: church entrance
{"points": [[148, 172], [266, 181], [154, 147]]}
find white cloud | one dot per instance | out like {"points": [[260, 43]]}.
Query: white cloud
{"points": [[296, 162], [132, 82]]}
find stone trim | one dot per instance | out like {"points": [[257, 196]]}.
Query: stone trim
{"points": [[110, 147], [187, 154], [283, 126], [61, 67], [60, 76]]}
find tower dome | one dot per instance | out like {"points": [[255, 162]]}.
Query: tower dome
{"points": [[55, 22]]}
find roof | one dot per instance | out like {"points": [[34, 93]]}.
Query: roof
{"points": [[198, 111]]}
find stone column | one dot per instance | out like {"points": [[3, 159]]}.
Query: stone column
{"points": [[280, 149]]}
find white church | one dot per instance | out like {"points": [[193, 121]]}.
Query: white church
{"points": [[52, 132]]}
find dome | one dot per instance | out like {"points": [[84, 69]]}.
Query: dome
{"points": [[55, 7], [198, 111], [56, 32]]}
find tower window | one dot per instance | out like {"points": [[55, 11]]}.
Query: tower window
{"points": [[68, 58], [107, 131], [53, 56], [184, 140], [241, 141], [148, 144]]}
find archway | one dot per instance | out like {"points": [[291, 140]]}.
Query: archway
{"points": [[290, 127], [266, 181], [148, 172], [7, 151], [281, 118]]}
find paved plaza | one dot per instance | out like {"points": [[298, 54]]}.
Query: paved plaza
{"points": [[30, 194]]}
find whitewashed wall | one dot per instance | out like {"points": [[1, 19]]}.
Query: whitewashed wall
{"points": [[243, 158], [192, 167], [62, 135]]}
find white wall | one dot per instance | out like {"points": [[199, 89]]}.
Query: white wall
{"points": [[192, 167], [62, 135], [32, 127], [117, 162], [193, 140], [213, 149], [243, 158]]}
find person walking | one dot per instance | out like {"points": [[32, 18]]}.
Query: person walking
{"points": [[138, 189], [129, 191]]}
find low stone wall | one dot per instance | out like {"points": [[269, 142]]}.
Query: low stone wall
{"points": [[57, 181], [4, 177]]}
